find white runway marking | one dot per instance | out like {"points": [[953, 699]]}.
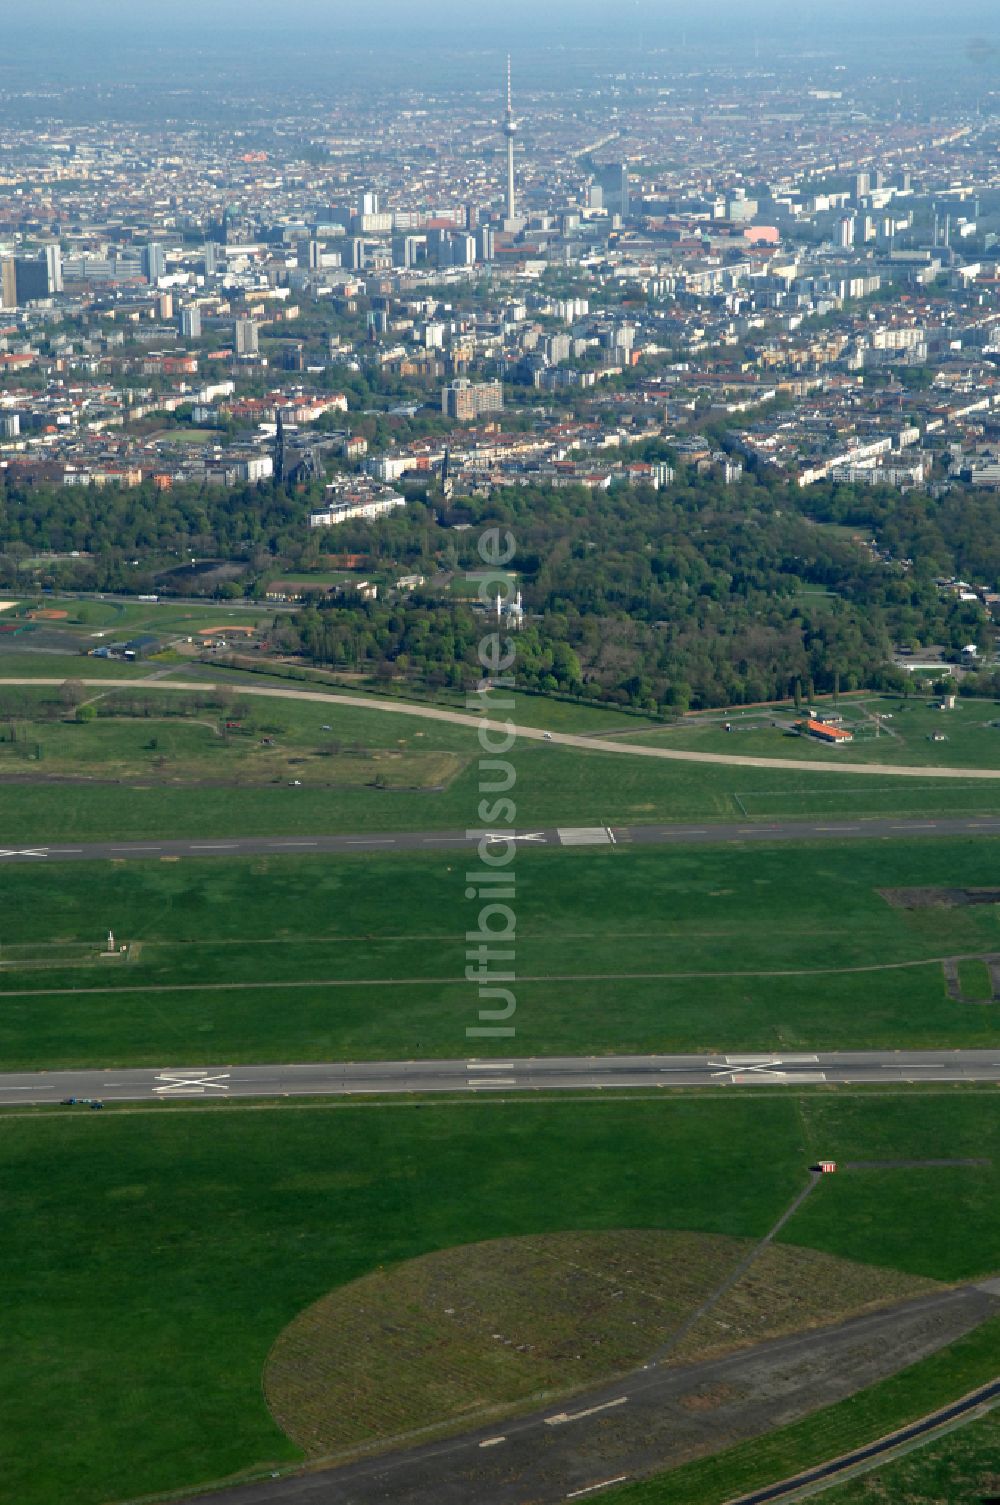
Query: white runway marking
{"points": [[575, 1494], [564, 1416], [187, 1081], [584, 836], [492, 1442], [761, 1074], [492, 836]]}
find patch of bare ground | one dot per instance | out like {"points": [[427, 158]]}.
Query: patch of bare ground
{"points": [[480, 1332], [790, 1290], [938, 898]]}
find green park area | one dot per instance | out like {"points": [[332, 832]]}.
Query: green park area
{"points": [[210, 736], [84, 623], [962, 1465], [656, 949], [365, 768], [914, 731], [158, 1252]]}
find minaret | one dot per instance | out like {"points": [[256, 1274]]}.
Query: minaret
{"points": [[509, 127]]}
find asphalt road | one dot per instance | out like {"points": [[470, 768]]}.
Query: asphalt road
{"points": [[541, 1073], [552, 836]]}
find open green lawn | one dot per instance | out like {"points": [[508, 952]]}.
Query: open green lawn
{"points": [[647, 949], [971, 732], [555, 786], [963, 1466], [91, 620], [186, 436], [154, 1254], [21, 660], [271, 741]]}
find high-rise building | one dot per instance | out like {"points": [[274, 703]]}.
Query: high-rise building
{"points": [[612, 180], [190, 323], [154, 261], [740, 209], [8, 283], [861, 184], [368, 203], [31, 279], [463, 250], [246, 337], [53, 267], [407, 250], [845, 231], [465, 401]]}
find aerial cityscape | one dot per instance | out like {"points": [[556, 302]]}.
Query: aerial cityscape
{"points": [[500, 753]]}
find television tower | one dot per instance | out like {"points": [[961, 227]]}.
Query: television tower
{"points": [[509, 128]]}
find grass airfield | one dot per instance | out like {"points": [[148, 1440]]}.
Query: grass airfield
{"points": [[295, 958], [158, 1252], [154, 1253], [362, 769]]}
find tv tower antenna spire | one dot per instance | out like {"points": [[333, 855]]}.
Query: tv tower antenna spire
{"points": [[509, 128]]}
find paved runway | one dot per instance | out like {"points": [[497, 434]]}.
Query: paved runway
{"points": [[551, 836], [540, 1073]]}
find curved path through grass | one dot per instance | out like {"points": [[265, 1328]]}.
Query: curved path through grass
{"points": [[563, 739]]}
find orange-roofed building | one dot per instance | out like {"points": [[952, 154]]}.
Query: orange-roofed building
{"points": [[824, 732]]}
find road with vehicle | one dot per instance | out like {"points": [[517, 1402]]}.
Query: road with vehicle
{"points": [[537, 1074]]}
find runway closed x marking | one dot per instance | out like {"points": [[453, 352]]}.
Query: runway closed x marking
{"points": [[493, 836], [188, 1081], [741, 1073], [24, 852]]}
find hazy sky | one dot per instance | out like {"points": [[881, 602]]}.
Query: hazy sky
{"points": [[471, 17], [262, 46]]}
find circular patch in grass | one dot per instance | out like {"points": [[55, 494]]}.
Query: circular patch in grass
{"points": [[466, 1335]]}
